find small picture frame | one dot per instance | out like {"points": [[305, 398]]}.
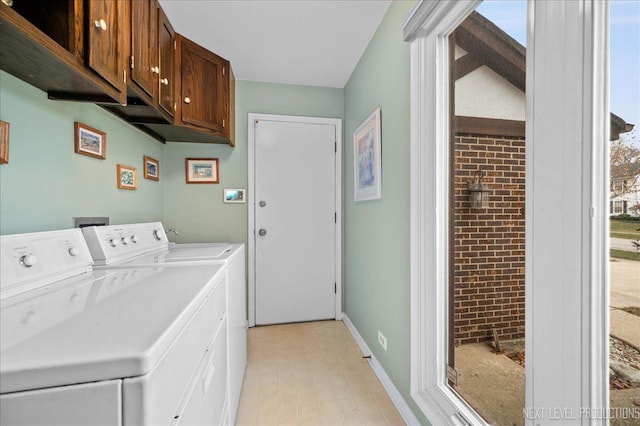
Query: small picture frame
{"points": [[90, 142], [202, 170], [367, 159], [4, 142], [151, 168], [234, 196], [127, 177]]}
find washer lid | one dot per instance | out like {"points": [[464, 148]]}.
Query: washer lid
{"points": [[183, 253], [115, 324], [194, 251]]}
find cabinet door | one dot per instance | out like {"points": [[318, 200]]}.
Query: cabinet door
{"points": [[203, 94], [144, 49], [107, 30], [166, 49]]}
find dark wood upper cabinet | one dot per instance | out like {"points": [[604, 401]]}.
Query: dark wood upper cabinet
{"points": [[143, 62], [107, 35], [203, 93], [125, 56], [166, 49], [44, 44], [62, 20]]}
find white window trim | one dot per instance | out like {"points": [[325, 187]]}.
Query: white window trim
{"points": [[251, 252], [582, 342]]}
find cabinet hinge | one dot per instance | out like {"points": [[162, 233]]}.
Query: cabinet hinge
{"points": [[335, 147], [131, 62], [335, 288], [335, 217], [125, 77], [175, 45], [224, 71], [222, 123], [175, 106]]}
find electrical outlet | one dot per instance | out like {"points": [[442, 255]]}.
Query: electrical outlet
{"points": [[382, 340]]}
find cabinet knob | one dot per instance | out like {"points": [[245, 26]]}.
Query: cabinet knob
{"points": [[155, 70], [187, 100], [165, 81], [100, 24]]}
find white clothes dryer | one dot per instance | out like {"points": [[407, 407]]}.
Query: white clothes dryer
{"points": [[146, 245], [117, 346]]}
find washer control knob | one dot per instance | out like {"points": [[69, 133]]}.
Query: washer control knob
{"points": [[73, 251], [113, 242], [134, 239], [156, 235], [28, 260], [125, 241]]}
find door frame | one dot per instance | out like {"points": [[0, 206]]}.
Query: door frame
{"points": [[251, 252]]}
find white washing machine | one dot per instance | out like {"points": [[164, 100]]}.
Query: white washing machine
{"points": [[136, 346], [146, 245]]}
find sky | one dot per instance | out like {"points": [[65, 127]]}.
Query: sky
{"points": [[624, 49]]}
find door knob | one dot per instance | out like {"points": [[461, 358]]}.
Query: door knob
{"points": [[262, 232], [262, 203]]}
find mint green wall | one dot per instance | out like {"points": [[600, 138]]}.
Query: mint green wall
{"points": [[376, 233], [46, 184], [197, 211]]}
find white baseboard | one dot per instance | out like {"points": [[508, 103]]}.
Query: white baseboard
{"points": [[395, 395]]}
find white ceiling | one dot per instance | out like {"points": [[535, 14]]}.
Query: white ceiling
{"points": [[310, 42]]}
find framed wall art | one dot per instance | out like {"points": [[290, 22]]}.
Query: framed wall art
{"points": [[127, 177], [4, 142], [234, 196], [151, 168], [202, 170], [90, 142], [367, 159]]}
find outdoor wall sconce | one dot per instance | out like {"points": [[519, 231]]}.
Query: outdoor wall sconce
{"points": [[478, 191]]}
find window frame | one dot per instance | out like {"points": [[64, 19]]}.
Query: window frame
{"points": [[581, 342]]}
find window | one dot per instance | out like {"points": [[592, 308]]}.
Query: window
{"points": [[566, 261], [618, 207]]}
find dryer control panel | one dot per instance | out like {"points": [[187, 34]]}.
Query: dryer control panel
{"points": [[40, 258], [113, 243]]}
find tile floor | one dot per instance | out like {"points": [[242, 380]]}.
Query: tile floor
{"points": [[311, 374]]}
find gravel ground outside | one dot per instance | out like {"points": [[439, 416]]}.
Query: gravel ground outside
{"points": [[619, 351], [494, 383]]}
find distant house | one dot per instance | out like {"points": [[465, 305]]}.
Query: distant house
{"points": [[488, 71], [628, 189], [625, 181]]}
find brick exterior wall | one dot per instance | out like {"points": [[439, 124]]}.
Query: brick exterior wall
{"points": [[489, 243]]}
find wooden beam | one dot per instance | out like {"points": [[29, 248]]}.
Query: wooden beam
{"points": [[493, 47], [489, 127], [466, 64]]}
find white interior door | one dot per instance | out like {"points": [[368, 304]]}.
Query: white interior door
{"points": [[295, 221]]}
